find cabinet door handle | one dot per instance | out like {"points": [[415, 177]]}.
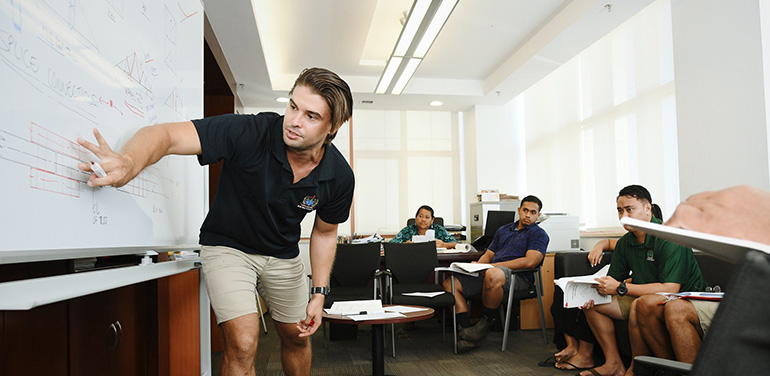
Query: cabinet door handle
{"points": [[120, 333], [117, 331], [115, 341]]}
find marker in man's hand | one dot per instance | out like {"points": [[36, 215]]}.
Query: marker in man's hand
{"points": [[98, 170]]}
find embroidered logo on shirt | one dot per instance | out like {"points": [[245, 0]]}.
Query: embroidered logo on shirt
{"points": [[650, 256], [308, 203]]}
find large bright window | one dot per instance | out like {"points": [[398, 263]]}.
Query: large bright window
{"points": [[402, 160], [607, 119]]}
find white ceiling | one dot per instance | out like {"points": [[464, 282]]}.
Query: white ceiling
{"points": [[487, 53]]}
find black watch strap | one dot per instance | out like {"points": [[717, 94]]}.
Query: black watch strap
{"points": [[622, 289], [320, 290]]}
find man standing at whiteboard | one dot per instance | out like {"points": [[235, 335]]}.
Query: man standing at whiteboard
{"points": [[276, 169]]}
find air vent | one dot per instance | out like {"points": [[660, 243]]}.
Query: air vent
{"points": [[367, 102]]}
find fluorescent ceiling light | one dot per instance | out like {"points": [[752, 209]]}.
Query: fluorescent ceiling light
{"points": [[436, 103], [387, 76], [425, 20], [282, 100], [443, 12], [406, 75], [413, 22]]}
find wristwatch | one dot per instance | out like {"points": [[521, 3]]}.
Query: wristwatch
{"points": [[622, 289], [320, 290]]}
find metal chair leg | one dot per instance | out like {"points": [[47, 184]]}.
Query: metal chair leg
{"points": [[539, 289], [261, 314], [508, 313]]}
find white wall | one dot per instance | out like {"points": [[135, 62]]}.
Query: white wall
{"points": [[499, 150], [720, 96]]}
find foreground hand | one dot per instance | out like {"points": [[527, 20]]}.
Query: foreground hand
{"points": [[738, 212], [115, 165], [588, 305], [606, 285], [310, 324]]}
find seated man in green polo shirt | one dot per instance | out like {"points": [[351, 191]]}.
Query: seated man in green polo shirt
{"points": [[652, 264]]}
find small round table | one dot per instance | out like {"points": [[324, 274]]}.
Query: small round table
{"points": [[378, 331]]}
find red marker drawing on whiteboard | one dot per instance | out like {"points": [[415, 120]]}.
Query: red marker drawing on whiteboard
{"points": [[98, 170]]}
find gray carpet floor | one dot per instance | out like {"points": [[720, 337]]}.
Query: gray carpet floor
{"points": [[419, 351]]}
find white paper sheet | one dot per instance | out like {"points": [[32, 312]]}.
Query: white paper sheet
{"points": [[423, 294], [355, 307], [578, 290]]}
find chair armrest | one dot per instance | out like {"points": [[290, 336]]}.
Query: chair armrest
{"points": [[514, 271], [647, 365]]}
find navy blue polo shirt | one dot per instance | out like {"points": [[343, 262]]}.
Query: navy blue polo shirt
{"points": [[510, 243], [257, 207]]}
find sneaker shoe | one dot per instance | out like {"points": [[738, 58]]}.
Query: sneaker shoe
{"points": [[477, 332], [464, 346]]}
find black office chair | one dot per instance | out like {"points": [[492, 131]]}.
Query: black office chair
{"points": [[738, 341], [408, 267], [534, 291], [436, 220], [495, 220], [355, 267]]}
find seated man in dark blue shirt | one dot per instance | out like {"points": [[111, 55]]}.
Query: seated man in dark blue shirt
{"points": [[519, 245]]}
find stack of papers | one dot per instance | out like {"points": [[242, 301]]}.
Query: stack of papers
{"points": [[361, 310], [355, 307], [578, 290]]}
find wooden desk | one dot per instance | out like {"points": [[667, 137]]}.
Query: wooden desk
{"points": [[444, 259], [378, 332]]}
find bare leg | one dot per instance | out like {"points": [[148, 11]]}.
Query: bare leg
{"points": [[569, 351], [600, 320], [492, 294], [684, 328], [296, 352], [652, 326], [638, 345], [241, 336], [584, 358], [460, 304]]}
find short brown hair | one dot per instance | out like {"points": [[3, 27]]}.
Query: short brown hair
{"points": [[334, 90]]}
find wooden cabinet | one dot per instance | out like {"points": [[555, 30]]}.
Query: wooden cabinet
{"points": [[33, 342], [110, 332], [530, 312], [149, 328]]}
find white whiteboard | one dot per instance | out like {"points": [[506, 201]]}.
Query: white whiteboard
{"points": [[67, 67]]}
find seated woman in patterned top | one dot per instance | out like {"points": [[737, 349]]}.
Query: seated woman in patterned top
{"points": [[423, 221]]}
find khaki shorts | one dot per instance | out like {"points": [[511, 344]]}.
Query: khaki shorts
{"points": [[232, 277], [624, 302], [706, 311]]}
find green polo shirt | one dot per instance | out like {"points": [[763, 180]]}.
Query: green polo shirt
{"points": [[655, 261]]}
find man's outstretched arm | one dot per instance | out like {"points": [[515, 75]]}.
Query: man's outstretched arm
{"points": [[146, 147]]}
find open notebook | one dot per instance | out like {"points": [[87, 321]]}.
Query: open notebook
{"points": [[728, 249]]}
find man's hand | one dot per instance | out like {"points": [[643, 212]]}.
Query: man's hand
{"points": [[587, 305], [310, 324], [606, 285], [738, 212], [595, 256], [117, 167]]}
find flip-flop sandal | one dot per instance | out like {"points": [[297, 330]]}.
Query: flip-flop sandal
{"points": [[550, 362], [592, 370], [574, 367]]}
